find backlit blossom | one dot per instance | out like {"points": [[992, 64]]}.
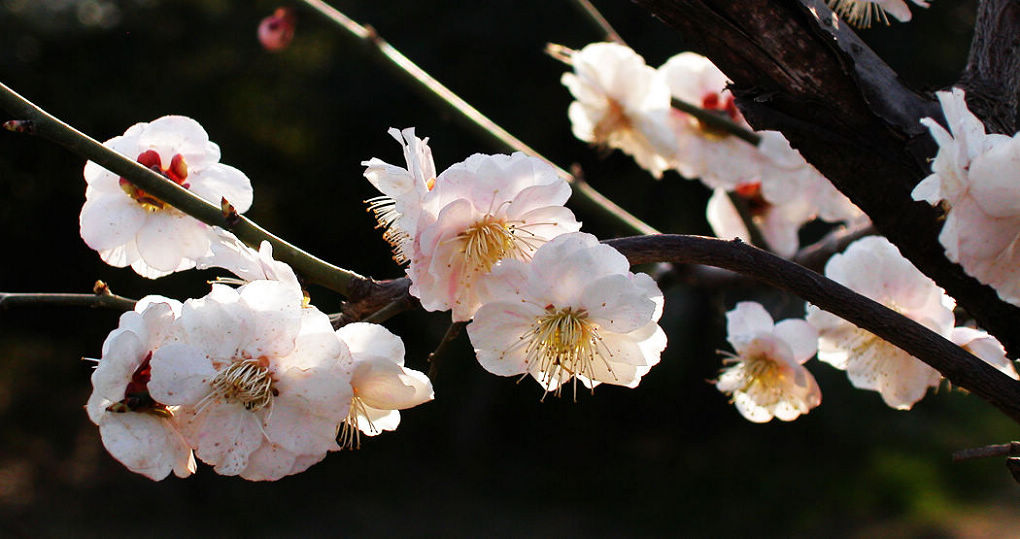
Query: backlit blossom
{"points": [[399, 206], [140, 432], [130, 227], [620, 103], [247, 264], [575, 312], [259, 380], [767, 378], [874, 268], [985, 347], [485, 209], [381, 383], [860, 13], [974, 175]]}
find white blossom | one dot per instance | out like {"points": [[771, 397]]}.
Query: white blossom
{"points": [[399, 206], [874, 268], [620, 103], [259, 379], [130, 227], [382, 385], [485, 209], [985, 347], [860, 13], [247, 264], [767, 378], [576, 311], [140, 432]]}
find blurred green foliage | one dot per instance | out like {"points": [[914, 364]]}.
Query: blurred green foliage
{"points": [[486, 458]]}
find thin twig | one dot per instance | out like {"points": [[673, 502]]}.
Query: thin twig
{"points": [[391, 309], [1011, 449], [451, 334], [96, 301], [596, 17], [41, 123], [503, 138]]}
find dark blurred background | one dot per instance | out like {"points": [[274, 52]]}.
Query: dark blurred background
{"points": [[486, 458]]}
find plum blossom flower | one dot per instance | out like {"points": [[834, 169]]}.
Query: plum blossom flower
{"points": [[574, 312], [382, 385], [247, 264], [860, 13], [986, 347], [140, 432], [399, 206], [974, 175], [874, 268], [259, 379], [767, 378], [485, 209], [620, 103], [130, 227]]}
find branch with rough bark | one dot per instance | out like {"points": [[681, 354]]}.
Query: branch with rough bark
{"points": [[797, 69]]}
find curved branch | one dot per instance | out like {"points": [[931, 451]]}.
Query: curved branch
{"points": [[798, 70], [34, 120]]}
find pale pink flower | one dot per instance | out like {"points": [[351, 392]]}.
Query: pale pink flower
{"points": [[874, 268], [130, 227], [620, 103], [975, 175], [574, 312], [986, 347], [767, 378], [485, 209], [382, 385], [140, 432], [398, 208], [260, 380], [246, 263], [860, 13]]}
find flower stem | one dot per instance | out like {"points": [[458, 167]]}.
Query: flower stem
{"points": [[100, 301], [32, 119], [395, 58]]}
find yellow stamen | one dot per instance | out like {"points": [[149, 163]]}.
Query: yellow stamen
{"points": [[247, 382], [564, 344]]}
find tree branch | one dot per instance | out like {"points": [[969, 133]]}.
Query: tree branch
{"points": [[992, 76], [798, 70]]}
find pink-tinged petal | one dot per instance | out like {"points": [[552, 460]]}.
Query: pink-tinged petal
{"points": [[616, 305], [496, 334], [616, 372], [800, 336], [985, 347], [224, 436], [537, 197], [303, 462], [901, 379], [364, 339], [375, 421], [145, 443], [276, 317], [220, 181], [383, 384], [181, 375], [268, 463], [745, 322], [542, 224], [110, 221], [505, 282]]}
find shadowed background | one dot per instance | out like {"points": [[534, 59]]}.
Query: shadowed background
{"points": [[486, 457]]}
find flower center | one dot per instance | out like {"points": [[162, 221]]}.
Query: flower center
{"points": [[247, 382], [756, 203], [615, 120], [136, 394], [562, 344], [761, 377], [725, 107], [490, 240], [177, 173], [350, 433]]}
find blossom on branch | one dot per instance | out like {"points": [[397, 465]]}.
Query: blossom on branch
{"points": [[986, 348], [620, 103], [260, 381], [974, 175], [875, 268], [382, 385], [574, 312], [230, 253], [767, 378], [485, 209], [140, 432], [860, 13], [130, 227]]}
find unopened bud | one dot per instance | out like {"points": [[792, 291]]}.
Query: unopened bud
{"points": [[277, 30]]}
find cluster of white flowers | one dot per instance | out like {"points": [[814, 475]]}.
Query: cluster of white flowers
{"points": [[860, 13], [623, 103], [490, 240], [974, 176], [252, 380]]}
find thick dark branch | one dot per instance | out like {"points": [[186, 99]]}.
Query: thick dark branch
{"points": [[992, 77], [798, 70]]}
